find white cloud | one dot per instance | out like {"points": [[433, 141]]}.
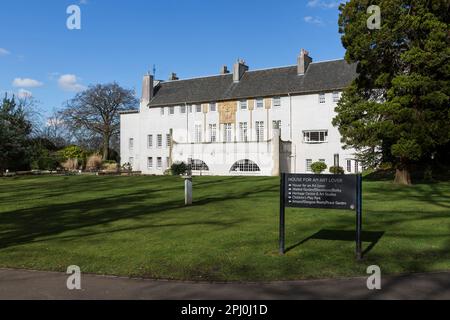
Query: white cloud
{"points": [[69, 82], [330, 4], [4, 52], [23, 94], [313, 20], [26, 83]]}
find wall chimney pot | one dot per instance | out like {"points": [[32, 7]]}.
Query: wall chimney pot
{"points": [[239, 69], [224, 70], [173, 77], [303, 62], [147, 88]]}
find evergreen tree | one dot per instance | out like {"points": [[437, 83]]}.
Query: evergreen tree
{"points": [[398, 108], [15, 131]]}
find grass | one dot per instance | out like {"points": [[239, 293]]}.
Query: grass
{"points": [[138, 226]]}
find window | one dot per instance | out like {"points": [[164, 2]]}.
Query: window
{"points": [[243, 104], [159, 162], [245, 166], [212, 107], [336, 96], [159, 141], [315, 136], [131, 143], [150, 141], [349, 165], [168, 140], [198, 108], [243, 136], [259, 131], [276, 124], [172, 110], [276, 102], [227, 132], [308, 165], [150, 162], [190, 108], [183, 109], [259, 103], [162, 111], [198, 165], [212, 132], [198, 133], [131, 161], [322, 98]]}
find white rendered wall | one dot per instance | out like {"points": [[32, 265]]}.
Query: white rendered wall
{"points": [[297, 114]]}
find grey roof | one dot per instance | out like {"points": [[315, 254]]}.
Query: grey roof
{"points": [[319, 77]]}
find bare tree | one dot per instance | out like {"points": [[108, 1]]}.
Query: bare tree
{"points": [[95, 112]]}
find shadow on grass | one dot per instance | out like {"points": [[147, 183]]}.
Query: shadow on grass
{"points": [[343, 235]]}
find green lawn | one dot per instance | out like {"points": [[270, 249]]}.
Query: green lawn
{"points": [[138, 226]]}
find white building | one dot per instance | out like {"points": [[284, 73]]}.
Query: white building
{"points": [[241, 123]]}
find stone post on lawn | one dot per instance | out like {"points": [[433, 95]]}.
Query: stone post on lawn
{"points": [[188, 188]]}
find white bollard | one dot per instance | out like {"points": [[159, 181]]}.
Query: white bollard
{"points": [[187, 190]]}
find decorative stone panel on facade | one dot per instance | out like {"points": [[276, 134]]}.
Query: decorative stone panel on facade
{"points": [[227, 112]]}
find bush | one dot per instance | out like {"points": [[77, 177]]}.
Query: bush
{"points": [[94, 162], [70, 165], [110, 166], [179, 168], [318, 167], [337, 170], [127, 167], [72, 152]]}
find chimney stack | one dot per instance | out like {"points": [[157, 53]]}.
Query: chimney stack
{"points": [[147, 88], [239, 69], [303, 62], [173, 77], [224, 70]]}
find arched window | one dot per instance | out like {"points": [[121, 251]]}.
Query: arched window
{"points": [[245, 166], [198, 165]]}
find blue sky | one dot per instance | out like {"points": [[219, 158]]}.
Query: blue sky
{"points": [[120, 40]]}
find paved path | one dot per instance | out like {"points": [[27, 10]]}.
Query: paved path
{"points": [[18, 284]]}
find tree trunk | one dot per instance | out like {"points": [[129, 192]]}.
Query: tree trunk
{"points": [[106, 139], [402, 176]]}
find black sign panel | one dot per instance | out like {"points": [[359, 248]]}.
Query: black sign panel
{"points": [[320, 191]]}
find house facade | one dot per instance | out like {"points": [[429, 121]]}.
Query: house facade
{"points": [[242, 122]]}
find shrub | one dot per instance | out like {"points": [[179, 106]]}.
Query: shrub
{"points": [[337, 170], [127, 167], [179, 168], [94, 162], [72, 152], [70, 164], [110, 166], [318, 167]]}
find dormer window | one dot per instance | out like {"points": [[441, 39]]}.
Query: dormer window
{"points": [[336, 96], [259, 103], [322, 98], [212, 107], [243, 104], [198, 108], [276, 102]]}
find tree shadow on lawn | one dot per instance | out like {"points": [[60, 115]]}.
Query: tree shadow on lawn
{"points": [[28, 225], [343, 235]]}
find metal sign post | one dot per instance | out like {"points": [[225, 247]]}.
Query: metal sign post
{"points": [[321, 191], [282, 209]]}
